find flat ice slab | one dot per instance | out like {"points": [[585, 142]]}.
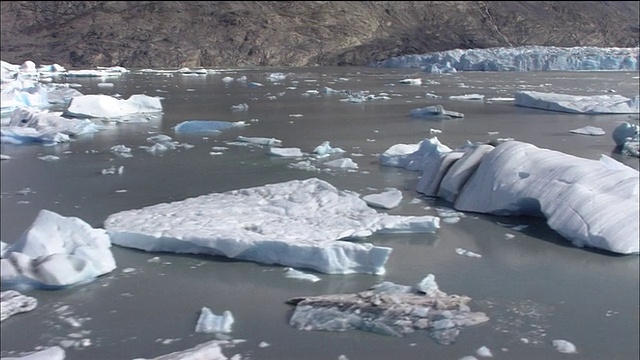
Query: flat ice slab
{"points": [[299, 223], [578, 104]]}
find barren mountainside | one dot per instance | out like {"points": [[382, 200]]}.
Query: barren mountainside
{"points": [[140, 34]]}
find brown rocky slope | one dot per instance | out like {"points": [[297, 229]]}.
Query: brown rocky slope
{"points": [[139, 34]]}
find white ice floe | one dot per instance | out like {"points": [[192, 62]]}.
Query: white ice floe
{"points": [[388, 199], [435, 112], [523, 58], [13, 302], [109, 107], [297, 274], [208, 322], [416, 81], [210, 350], [588, 130], [57, 251], [325, 149], [578, 104], [564, 346], [52, 353], [207, 126], [285, 152], [472, 97], [468, 253], [484, 352], [259, 140], [298, 223], [517, 178], [342, 163]]}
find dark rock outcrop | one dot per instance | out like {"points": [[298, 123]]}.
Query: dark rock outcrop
{"points": [[139, 34]]}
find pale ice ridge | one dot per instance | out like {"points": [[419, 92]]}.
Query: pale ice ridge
{"points": [[299, 224], [580, 198], [57, 251], [52, 353], [524, 58], [210, 350], [578, 104]]}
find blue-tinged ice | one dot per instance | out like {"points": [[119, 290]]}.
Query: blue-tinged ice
{"points": [[206, 126], [524, 58]]}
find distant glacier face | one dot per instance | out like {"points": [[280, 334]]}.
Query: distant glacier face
{"points": [[525, 58]]}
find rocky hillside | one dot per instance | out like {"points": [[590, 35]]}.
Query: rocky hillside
{"points": [[136, 34]]}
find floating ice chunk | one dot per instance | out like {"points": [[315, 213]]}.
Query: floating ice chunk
{"points": [[325, 149], [474, 97], [564, 346], [627, 137], [299, 223], [386, 200], [484, 352], [52, 353], [572, 193], [343, 163], [297, 274], [240, 107], [625, 132], [588, 130], [104, 106], [417, 81], [285, 152], [206, 126], [578, 104], [468, 253], [211, 350], [13, 302], [435, 112], [25, 135], [208, 322], [388, 309], [260, 140], [57, 251], [412, 156], [49, 123]]}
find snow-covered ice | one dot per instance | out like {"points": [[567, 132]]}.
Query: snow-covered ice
{"points": [[57, 251], [298, 223]]}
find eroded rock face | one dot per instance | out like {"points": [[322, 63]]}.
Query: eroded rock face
{"points": [[295, 33], [389, 309]]}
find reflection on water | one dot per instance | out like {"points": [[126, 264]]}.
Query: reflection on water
{"points": [[532, 283]]}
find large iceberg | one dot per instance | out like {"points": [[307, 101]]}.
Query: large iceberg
{"points": [[578, 104], [524, 58], [55, 252], [592, 203], [298, 223]]}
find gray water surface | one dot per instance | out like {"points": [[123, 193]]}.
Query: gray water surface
{"points": [[534, 286]]}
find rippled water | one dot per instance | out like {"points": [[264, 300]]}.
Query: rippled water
{"points": [[534, 286]]}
